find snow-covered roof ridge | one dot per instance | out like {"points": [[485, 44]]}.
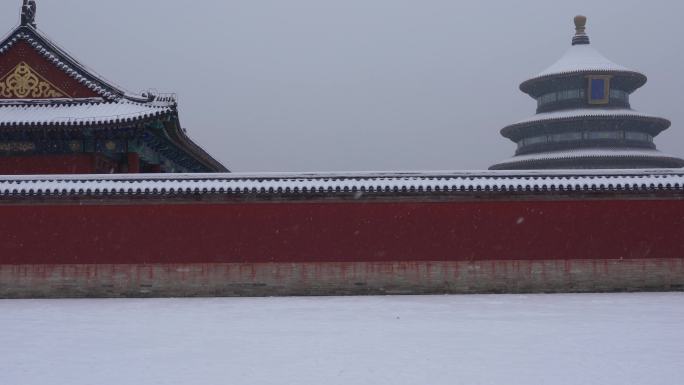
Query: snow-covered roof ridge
{"points": [[78, 114], [578, 113], [589, 153], [364, 183]]}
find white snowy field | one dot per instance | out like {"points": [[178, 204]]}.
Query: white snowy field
{"points": [[531, 339]]}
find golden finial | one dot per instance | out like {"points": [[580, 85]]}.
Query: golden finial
{"points": [[580, 37], [580, 24]]}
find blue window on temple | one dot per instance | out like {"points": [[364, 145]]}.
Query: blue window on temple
{"points": [[599, 89]]}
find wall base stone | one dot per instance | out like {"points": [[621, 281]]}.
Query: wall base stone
{"points": [[331, 278]]}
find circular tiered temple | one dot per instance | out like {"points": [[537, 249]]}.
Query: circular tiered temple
{"points": [[584, 119]]}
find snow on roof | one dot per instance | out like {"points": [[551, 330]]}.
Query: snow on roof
{"points": [[589, 153], [584, 113], [581, 58], [78, 114], [359, 183]]}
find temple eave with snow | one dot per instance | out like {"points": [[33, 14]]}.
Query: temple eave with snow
{"points": [[59, 117]]}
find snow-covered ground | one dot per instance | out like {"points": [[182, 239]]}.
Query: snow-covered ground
{"points": [[541, 339]]}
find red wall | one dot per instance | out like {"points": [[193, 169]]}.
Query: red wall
{"points": [[340, 231]]}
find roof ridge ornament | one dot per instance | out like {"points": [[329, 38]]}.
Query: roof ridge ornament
{"points": [[581, 37], [28, 13]]}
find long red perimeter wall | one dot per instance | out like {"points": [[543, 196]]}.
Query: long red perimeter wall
{"points": [[185, 248]]}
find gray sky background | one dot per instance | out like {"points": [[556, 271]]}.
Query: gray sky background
{"points": [[318, 85]]}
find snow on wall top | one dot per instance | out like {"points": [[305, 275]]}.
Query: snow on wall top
{"points": [[366, 183], [80, 113]]}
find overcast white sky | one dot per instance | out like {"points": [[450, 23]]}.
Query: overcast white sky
{"points": [[318, 85]]}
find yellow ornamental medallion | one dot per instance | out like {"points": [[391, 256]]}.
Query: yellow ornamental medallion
{"points": [[24, 83]]}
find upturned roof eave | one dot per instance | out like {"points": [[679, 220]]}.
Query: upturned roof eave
{"points": [[181, 139]]}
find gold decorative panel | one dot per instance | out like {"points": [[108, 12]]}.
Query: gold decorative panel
{"points": [[25, 83]]}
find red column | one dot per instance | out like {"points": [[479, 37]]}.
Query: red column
{"points": [[133, 163]]}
